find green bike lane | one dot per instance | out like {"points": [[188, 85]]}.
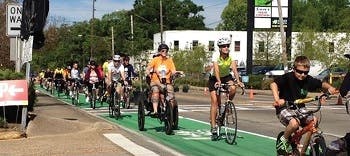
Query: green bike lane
{"points": [[193, 138]]}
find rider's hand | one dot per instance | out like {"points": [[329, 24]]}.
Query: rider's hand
{"points": [[279, 102], [241, 84], [217, 84]]}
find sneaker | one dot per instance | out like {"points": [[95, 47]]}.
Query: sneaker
{"points": [[154, 114], [87, 99], [284, 145], [214, 134]]}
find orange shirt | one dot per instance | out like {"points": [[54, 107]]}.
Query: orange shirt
{"points": [[158, 64]]}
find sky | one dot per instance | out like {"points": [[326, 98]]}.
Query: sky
{"points": [[80, 10]]}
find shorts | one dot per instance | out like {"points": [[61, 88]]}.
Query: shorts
{"points": [[212, 81], [90, 85], [288, 114], [157, 87]]}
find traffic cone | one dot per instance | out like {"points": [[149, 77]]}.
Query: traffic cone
{"points": [[251, 94], [340, 100]]}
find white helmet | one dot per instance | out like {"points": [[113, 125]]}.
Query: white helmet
{"points": [[223, 41]]}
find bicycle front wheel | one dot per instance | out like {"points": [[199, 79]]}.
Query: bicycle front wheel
{"points": [[318, 146], [169, 119], [141, 115], [347, 106], [116, 104], [230, 123]]}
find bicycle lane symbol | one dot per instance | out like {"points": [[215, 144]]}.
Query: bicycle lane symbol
{"points": [[194, 134]]}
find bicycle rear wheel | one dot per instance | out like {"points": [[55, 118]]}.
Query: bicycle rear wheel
{"points": [[230, 123], [318, 146]]}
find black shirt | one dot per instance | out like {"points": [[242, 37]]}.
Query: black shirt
{"points": [[290, 88]]}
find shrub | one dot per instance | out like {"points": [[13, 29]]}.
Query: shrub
{"points": [[185, 88], [255, 81], [3, 123], [265, 84]]}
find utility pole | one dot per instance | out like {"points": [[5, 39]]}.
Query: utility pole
{"points": [[283, 37], [112, 42], [161, 20], [92, 29], [132, 32]]}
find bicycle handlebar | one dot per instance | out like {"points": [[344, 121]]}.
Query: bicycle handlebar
{"points": [[297, 102], [223, 87]]}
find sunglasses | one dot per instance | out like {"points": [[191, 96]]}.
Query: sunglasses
{"points": [[225, 46], [116, 60], [301, 72]]}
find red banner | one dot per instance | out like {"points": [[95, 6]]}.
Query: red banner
{"points": [[13, 92]]}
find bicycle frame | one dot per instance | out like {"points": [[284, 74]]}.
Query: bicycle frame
{"points": [[312, 126]]}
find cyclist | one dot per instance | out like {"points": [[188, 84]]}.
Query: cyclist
{"points": [[59, 77], [289, 87], [129, 69], [116, 74], [162, 68], [75, 76], [48, 76], [223, 61], [92, 76], [345, 86]]}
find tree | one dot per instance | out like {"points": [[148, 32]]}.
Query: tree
{"points": [[234, 16]]}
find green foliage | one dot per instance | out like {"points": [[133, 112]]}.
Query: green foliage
{"points": [[234, 16], [10, 75], [255, 81], [265, 84], [185, 88], [3, 123]]}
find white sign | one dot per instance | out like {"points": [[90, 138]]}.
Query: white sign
{"points": [[262, 11], [13, 19], [27, 50]]}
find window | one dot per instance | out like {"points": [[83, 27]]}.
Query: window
{"points": [[211, 46], [331, 47], [176, 45], [237, 46], [195, 43], [261, 46]]}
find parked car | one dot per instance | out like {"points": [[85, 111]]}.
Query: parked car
{"points": [[316, 67], [261, 69], [336, 72]]}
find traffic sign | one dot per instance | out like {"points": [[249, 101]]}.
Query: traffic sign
{"points": [[13, 19], [13, 92]]}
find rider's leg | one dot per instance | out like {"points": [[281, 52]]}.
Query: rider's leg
{"points": [[232, 92], [310, 120], [171, 95], [155, 97], [293, 125], [213, 108]]}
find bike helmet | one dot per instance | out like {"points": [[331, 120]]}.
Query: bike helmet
{"points": [[347, 55], [163, 46], [93, 63], [223, 41]]}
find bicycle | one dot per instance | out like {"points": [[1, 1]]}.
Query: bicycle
{"points": [[114, 102], [93, 96], [167, 113], [227, 114], [59, 83], [126, 97], [317, 142], [75, 91]]}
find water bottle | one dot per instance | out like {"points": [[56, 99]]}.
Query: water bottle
{"points": [[162, 76]]}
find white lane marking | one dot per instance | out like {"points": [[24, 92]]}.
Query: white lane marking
{"points": [[256, 134], [128, 145]]}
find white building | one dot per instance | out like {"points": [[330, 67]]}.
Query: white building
{"points": [[186, 39]]}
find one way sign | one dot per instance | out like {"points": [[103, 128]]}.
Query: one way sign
{"points": [[13, 19]]}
